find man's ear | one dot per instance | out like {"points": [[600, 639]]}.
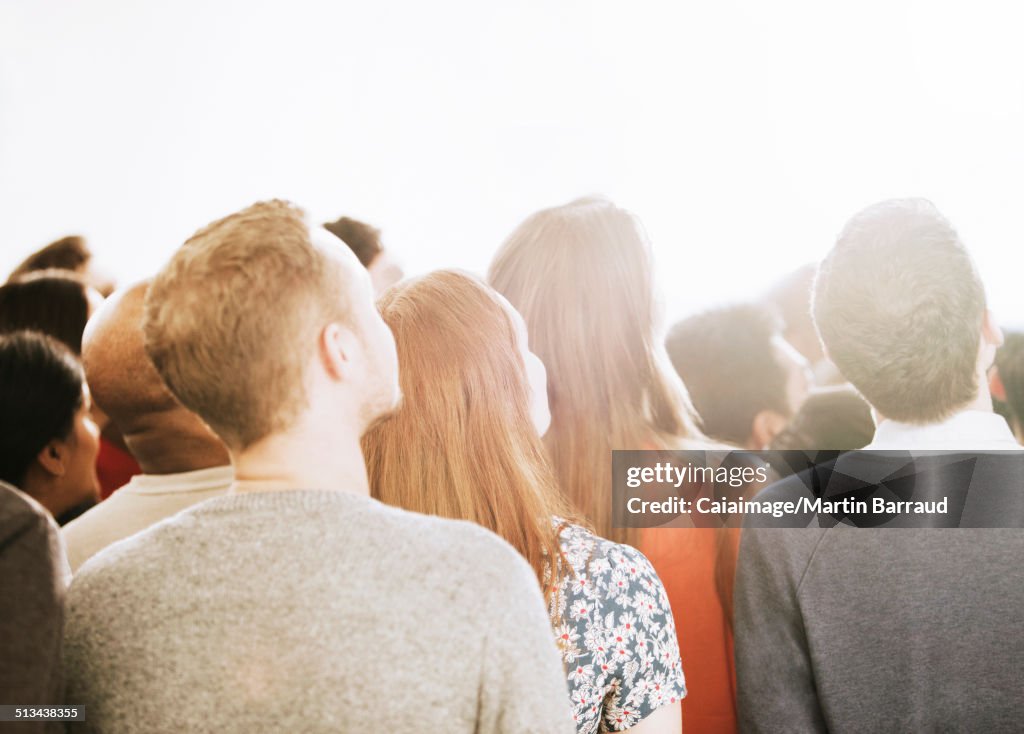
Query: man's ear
{"points": [[53, 457], [995, 385], [338, 346], [765, 427]]}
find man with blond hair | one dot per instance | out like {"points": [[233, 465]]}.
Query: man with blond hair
{"points": [[297, 602], [915, 626]]}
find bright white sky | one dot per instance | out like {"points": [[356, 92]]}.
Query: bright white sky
{"points": [[743, 133]]}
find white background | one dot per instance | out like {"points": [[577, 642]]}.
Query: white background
{"points": [[744, 133]]}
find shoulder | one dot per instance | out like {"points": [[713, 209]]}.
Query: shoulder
{"points": [[130, 564], [94, 525], [24, 522], [26, 525], [461, 546], [19, 513], [594, 555], [455, 562]]}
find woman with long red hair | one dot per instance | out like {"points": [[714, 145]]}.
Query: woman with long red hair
{"points": [[466, 444], [582, 276]]}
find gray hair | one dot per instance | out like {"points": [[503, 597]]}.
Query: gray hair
{"points": [[899, 307]]}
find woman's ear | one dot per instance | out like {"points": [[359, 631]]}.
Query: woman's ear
{"points": [[53, 457]]}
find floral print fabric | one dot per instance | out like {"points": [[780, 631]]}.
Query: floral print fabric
{"points": [[615, 631]]}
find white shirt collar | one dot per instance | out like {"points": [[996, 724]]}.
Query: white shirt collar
{"points": [[200, 480], [969, 430]]}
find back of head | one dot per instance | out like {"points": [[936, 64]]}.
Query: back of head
{"points": [[51, 301], [162, 435], [900, 308], [68, 253], [834, 419], [361, 238], [463, 445], [232, 321], [40, 393], [727, 360], [581, 275]]}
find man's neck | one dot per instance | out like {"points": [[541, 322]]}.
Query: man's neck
{"points": [[303, 459], [162, 455], [983, 402], [173, 442]]}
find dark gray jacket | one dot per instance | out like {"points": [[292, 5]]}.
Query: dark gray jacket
{"points": [[881, 629]]}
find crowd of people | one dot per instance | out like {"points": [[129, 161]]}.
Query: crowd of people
{"points": [[278, 486]]}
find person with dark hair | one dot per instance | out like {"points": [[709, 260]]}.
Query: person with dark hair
{"points": [[831, 419], [744, 378], [907, 627], [1008, 380], [68, 253], [48, 437], [55, 302], [364, 241], [60, 303]]}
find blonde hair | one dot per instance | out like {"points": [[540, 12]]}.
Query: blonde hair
{"points": [[582, 277], [462, 445], [232, 319]]}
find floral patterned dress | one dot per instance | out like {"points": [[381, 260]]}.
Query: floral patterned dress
{"points": [[615, 630]]}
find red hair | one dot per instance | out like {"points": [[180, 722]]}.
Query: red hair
{"points": [[463, 445]]}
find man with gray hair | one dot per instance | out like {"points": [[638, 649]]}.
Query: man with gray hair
{"points": [[296, 602], [901, 311], [906, 628]]}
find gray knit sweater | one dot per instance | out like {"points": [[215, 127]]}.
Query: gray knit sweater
{"points": [[309, 611]]}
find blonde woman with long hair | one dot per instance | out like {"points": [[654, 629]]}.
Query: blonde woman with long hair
{"points": [[582, 276], [466, 444]]}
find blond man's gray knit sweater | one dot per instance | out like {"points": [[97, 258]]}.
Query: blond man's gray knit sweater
{"points": [[311, 611]]}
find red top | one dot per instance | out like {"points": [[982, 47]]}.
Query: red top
{"points": [[689, 562], [114, 467]]}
